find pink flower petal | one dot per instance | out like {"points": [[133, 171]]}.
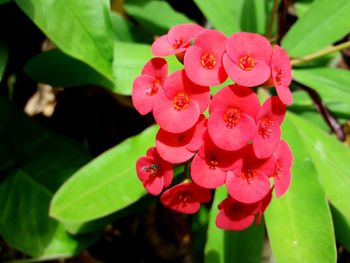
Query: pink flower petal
{"points": [[171, 119], [244, 43], [197, 137], [153, 184], [281, 67], [230, 138], [234, 96], [183, 34], [205, 175], [284, 94], [226, 223], [157, 68], [247, 191], [143, 94], [198, 73], [265, 146], [162, 47], [249, 78]]}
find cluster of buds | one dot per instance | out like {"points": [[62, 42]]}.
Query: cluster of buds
{"points": [[239, 145]]}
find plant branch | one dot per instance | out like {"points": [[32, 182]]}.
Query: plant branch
{"points": [[272, 19], [321, 53], [325, 113]]}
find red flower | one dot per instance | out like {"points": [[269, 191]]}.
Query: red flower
{"points": [[268, 120], [185, 197], [232, 112], [247, 59], [178, 108], [180, 147], [203, 60], [154, 172], [281, 74], [284, 158], [177, 40], [209, 166], [234, 215], [249, 181], [146, 87]]}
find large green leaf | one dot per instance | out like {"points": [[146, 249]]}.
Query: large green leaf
{"points": [[331, 83], [331, 160], [232, 246], [126, 31], [341, 228], [155, 16], [129, 59], [3, 59], [4, 1], [34, 162], [254, 16], [82, 29], [324, 23], [58, 69], [223, 14], [105, 185], [299, 224]]}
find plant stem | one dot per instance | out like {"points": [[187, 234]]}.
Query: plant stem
{"points": [[323, 110], [321, 53], [272, 19]]}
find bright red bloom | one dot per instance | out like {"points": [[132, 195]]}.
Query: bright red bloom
{"points": [[247, 59], [203, 60], [281, 74], [232, 113], [185, 197], [249, 181], [284, 158], [209, 166], [268, 120], [234, 215], [180, 147], [146, 87], [178, 108], [177, 40], [154, 172]]}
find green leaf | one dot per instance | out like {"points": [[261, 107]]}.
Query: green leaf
{"points": [[34, 163], [232, 246], [125, 31], [3, 59], [129, 59], [254, 16], [4, 1], [341, 228], [331, 160], [299, 224], [323, 24], [81, 29], [105, 185], [58, 69], [331, 83], [223, 14], [146, 12]]}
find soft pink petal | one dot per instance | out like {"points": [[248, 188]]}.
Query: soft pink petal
{"points": [[206, 176], [244, 43], [247, 192], [162, 47], [212, 40], [171, 119], [282, 182], [226, 223], [153, 184], [172, 146], [255, 77], [140, 99], [264, 146], [198, 133], [184, 32], [230, 139], [281, 67], [199, 74], [157, 68], [284, 94]]}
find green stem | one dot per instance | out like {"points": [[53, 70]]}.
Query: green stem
{"points": [[272, 19], [321, 53]]}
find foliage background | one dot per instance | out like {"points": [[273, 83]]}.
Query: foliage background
{"points": [[68, 185]]}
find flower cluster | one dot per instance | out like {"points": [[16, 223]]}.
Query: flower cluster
{"points": [[239, 145]]}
